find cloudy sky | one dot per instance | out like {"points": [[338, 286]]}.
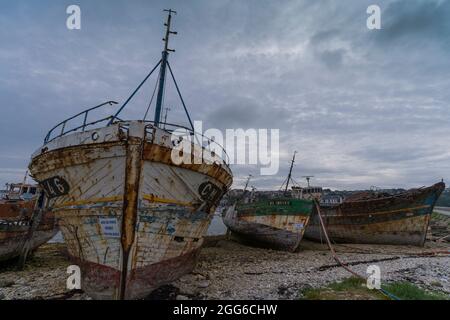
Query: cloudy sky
{"points": [[362, 107]]}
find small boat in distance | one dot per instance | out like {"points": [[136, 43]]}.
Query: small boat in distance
{"points": [[16, 192], [20, 226], [374, 217], [132, 217], [277, 221]]}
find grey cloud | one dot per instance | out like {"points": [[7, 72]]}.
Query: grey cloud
{"points": [[244, 112], [362, 107], [416, 20], [332, 58]]}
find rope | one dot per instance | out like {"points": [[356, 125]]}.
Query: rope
{"points": [[388, 294], [336, 258]]}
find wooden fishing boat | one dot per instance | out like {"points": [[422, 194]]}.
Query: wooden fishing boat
{"points": [[133, 218], [373, 217], [278, 222], [21, 229]]}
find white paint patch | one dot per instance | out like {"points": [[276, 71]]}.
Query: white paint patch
{"points": [[298, 226]]}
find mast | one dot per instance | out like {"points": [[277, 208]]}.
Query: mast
{"points": [[246, 183], [290, 172], [162, 73], [23, 183], [307, 179]]}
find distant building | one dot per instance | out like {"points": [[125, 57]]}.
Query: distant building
{"points": [[331, 199]]}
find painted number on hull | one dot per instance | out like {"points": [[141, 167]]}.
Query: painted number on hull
{"points": [[55, 187], [209, 191]]}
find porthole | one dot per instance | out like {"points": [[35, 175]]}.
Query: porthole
{"points": [[95, 136]]}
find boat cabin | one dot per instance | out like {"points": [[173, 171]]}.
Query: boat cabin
{"points": [[307, 193], [20, 191]]}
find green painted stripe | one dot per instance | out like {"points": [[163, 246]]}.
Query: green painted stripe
{"points": [[285, 206]]}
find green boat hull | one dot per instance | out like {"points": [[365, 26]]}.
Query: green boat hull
{"points": [[277, 223]]}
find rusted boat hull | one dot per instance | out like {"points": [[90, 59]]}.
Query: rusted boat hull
{"points": [[102, 281], [263, 235], [15, 225], [166, 246], [269, 229], [400, 219], [131, 218]]}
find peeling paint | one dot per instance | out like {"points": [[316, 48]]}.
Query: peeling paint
{"points": [[129, 175], [397, 219], [278, 223]]}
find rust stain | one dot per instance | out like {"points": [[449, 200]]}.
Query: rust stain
{"points": [[20, 230], [153, 198], [131, 194], [88, 201], [162, 154], [108, 181], [387, 219]]}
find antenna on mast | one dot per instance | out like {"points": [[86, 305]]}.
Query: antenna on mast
{"points": [[162, 74], [166, 109], [307, 179]]}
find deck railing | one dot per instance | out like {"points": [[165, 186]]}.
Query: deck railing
{"points": [[82, 115], [198, 138]]}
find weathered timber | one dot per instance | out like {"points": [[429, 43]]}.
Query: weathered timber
{"points": [[277, 223], [379, 218], [21, 230], [132, 219]]}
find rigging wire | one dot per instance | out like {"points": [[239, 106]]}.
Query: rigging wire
{"points": [[181, 97], [132, 95], [153, 95], [295, 182], [163, 102]]}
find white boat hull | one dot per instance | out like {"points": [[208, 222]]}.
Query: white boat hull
{"points": [[132, 219]]}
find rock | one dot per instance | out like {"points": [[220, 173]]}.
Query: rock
{"points": [[203, 284], [181, 297], [200, 277], [6, 283], [2, 296]]}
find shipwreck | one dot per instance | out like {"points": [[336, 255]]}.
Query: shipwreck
{"points": [[379, 218], [277, 221], [131, 217]]}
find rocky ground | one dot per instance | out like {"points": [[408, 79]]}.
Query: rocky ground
{"points": [[233, 271], [229, 270]]}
